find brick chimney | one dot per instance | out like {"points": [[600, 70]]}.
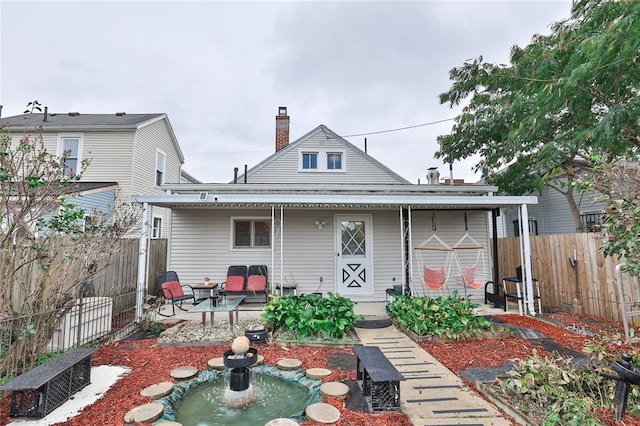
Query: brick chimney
{"points": [[282, 129]]}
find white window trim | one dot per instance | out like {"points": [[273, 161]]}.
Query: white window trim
{"points": [[164, 166], [155, 236], [232, 230], [322, 160], [80, 137]]}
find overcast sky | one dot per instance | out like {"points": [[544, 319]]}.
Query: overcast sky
{"points": [[220, 70]]}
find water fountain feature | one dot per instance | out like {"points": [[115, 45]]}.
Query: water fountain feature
{"points": [[245, 393]]}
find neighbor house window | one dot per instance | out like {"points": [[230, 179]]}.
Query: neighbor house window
{"points": [[71, 149], [309, 160], [533, 227], [156, 228], [334, 160], [161, 160], [251, 233]]}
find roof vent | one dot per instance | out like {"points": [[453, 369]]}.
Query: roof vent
{"points": [[120, 114], [74, 114], [433, 176]]}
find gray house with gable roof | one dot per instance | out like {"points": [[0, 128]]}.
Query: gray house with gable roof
{"points": [[322, 213], [128, 153]]}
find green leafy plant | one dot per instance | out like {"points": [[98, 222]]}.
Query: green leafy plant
{"points": [[442, 316], [311, 315]]}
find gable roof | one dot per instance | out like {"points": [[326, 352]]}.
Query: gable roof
{"points": [[330, 135], [76, 121]]}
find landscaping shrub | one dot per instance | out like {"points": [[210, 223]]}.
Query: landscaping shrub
{"points": [[311, 315], [442, 316]]}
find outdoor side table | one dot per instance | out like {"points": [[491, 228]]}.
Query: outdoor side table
{"points": [[212, 306], [210, 289]]}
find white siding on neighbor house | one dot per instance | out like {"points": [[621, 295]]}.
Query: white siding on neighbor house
{"points": [[148, 140], [200, 246], [450, 229], [552, 212], [285, 168]]}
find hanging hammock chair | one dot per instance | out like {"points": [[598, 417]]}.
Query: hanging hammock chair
{"points": [[470, 261], [435, 260]]}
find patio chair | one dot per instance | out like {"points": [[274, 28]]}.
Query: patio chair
{"points": [[236, 280], [171, 289], [257, 280]]}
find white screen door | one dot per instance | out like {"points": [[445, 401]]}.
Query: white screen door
{"points": [[354, 271]]}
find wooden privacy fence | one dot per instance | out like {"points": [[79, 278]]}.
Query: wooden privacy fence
{"points": [[586, 285]]}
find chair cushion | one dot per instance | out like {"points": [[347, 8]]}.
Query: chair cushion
{"points": [[234, 283], [257, 283], [175, 290], [434, 277]]}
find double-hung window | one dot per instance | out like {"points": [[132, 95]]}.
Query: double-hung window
{"points": [[71, 149], [334, 161], [156, 228], [309, 160], [161, 160], [251, 233]]}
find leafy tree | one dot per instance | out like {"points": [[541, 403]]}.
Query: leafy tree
{"points": [[47, 248], [565, 97]]}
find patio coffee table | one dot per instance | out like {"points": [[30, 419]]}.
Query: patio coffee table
{"points": [[212, 306]]}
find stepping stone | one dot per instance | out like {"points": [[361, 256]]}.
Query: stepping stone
{"points": [[289, 364], [184, 372], [147, 413], [322, 413], [216, 363], [168, 424], [317, 373], [336, 389], [158, 390], [281, 422], [259, 361]]}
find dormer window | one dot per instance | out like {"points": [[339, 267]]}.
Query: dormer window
{"points": [[334, 160], [322, 160], [309, 160]]}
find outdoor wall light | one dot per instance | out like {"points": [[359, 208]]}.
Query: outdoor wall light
{"points": [[320, 223]]}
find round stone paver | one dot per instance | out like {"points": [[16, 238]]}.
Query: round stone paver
{"points": [[147, 413], [317, 373], [260, 360], [289, 364], [281, 422], [169, 423], [322, 413], [336, 389], [158, 390], [184, 372], [216, 363]]}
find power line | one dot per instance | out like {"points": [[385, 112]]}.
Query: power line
{"points": [[398, 129]]}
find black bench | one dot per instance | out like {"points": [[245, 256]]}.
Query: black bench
{"points": [[38, 392], [378, 379]]}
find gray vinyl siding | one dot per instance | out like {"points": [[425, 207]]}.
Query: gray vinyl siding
{"points": [[450, 229], [284, 168], [102, 201], [200, 246], [552, 212]]}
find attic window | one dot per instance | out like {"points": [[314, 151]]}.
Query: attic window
{"points": [[309, 160], [322, 160], [334, 161]]}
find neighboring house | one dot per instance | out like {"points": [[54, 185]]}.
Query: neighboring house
{"points": [[134, 153], [552, 214], [324, 214]]}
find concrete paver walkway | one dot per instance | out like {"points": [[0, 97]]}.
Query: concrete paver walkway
{"points": [[431, 394]]}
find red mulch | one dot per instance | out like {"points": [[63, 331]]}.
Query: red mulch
{"points": [[150, 364]]}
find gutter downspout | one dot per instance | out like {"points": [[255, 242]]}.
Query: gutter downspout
{"points": [[526, 261], [142, 260]]}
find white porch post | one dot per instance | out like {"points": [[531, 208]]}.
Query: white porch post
{"points": [[410, 236], [402, 246], [526, 260], [142, 260], [273, 246], [281, 250]]}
